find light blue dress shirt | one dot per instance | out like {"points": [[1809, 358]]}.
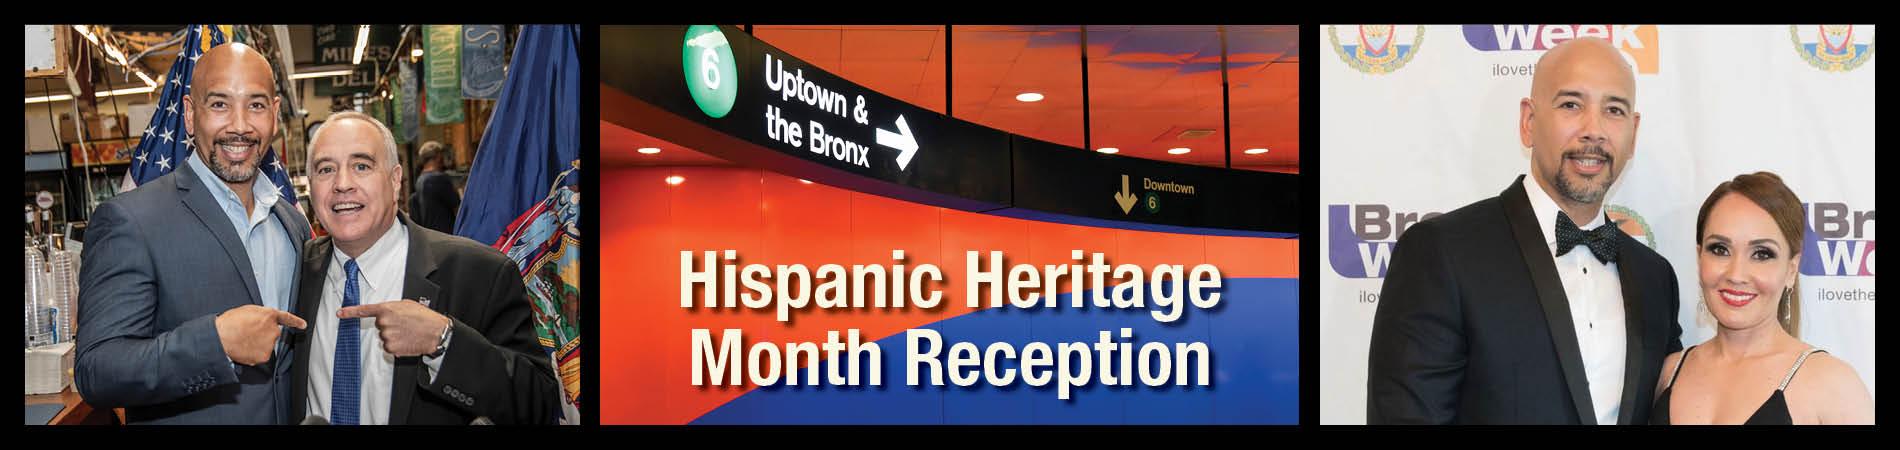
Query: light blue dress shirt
{"points": [[272, 250]]}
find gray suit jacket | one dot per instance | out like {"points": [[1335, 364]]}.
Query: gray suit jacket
{"points": [[161, 262]]}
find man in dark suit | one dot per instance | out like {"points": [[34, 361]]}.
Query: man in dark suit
{"points": [[408, 325], [188, 279], [1509, 311]]}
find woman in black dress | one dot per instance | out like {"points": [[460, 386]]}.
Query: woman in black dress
{"points": [[1755, 371]]}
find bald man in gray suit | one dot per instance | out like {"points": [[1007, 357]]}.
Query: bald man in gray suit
{"points": [[185, 296]]}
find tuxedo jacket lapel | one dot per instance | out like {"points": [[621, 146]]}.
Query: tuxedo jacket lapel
{"points": [[1529, 237], [1633, 324]]}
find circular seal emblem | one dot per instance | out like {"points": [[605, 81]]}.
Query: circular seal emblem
{"points": [[1833, 48], [1632, 224], [1376, 49]]}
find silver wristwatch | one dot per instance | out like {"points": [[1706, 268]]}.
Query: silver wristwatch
{"points": [[442, 347]]}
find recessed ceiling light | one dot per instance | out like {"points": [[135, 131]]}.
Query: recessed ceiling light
{"points": [[1179, 150], [1256, 151], [802, 180], [1028, 97], [1109, 150], [649, 150], [675, 180]]}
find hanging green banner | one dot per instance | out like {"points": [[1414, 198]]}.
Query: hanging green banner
{"points": [[442, 76]]}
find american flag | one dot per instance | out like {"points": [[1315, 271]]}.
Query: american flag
{"points": [[165, 144]]}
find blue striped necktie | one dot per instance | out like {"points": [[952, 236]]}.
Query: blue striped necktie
{"points": [[347, 376]]}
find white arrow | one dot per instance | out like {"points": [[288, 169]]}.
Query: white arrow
{"points": [[1124, 198], [902, 140]]}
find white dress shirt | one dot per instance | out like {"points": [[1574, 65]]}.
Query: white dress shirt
{"points": [[1596, 306], [381, 271]]}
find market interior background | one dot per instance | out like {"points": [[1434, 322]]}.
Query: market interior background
{"points": [[82, 162]]}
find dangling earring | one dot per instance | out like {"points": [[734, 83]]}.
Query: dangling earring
{"points": [[1787, 298]]}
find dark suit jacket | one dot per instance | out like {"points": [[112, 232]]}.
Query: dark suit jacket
{"points": [[1473, 325], [435, 202], [494, 367], [161, 262]]}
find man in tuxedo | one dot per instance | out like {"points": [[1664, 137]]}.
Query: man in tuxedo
{"points": [[407, 325], [1531, 307]]}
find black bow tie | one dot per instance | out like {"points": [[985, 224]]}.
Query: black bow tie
{"points": [[1602, 240]]}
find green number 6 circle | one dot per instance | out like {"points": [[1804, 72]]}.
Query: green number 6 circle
{"points": [[710, 72]]}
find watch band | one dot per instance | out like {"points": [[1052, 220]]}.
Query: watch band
{"points": [[442, 346]]}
